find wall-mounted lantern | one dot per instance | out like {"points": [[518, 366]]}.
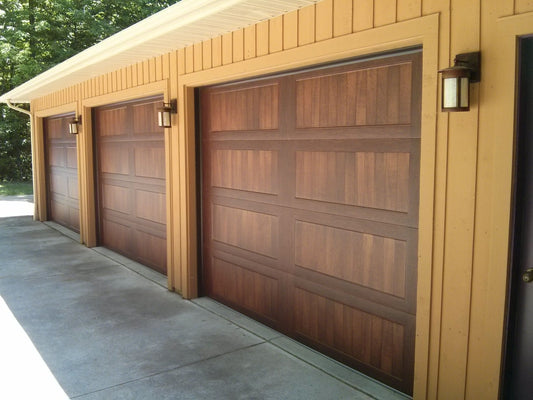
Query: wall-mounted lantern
{"points": [[164, 119], [456, 81], [73, 125]]}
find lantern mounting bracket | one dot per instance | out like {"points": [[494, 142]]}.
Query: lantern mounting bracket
{"points": [[472, 61]]}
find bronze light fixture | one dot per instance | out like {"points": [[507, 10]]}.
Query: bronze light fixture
{"points": [[456, 81], [73, 125], [164, 114]]}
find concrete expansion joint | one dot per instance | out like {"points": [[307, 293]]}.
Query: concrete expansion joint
{"points": [[167, 370]]}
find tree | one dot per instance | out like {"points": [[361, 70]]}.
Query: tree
{"points": [[35, 35]]}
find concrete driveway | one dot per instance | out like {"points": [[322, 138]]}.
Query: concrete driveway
{"points": [[88, 324]]}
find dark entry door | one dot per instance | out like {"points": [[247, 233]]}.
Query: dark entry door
{"points": [[519, 368], [310, 207], [62, 172], [130, 150]]}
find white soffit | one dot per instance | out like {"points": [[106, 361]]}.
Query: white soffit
{"points": [[178, 26]]}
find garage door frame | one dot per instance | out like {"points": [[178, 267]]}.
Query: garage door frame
{"points": [[86, 146], [39, 157], [422, 32]]}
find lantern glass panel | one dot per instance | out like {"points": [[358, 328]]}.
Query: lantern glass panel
{"points": [[450, 93], [464, 92]]}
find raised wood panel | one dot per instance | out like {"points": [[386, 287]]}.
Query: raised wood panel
{"points": [[251, 170], [112, 122], [375, 341], [116, 198], [151, 206], [150, 161], [117, 235], [372, 261], [57, 157], [55, 128], [363, 179], [248, 230], [374, 96], [73, 188], [151, 249], [248, 109], [257, 292], [114, 159], [59, 184], [72, 157], [145, 118]]}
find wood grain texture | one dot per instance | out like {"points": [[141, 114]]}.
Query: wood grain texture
{"points": [[376, 342], [240, 286], [248, 230], [374, 96], [61, 172], [131, 181], [247, 109], [250, 170], [321, 198], [364, 179], [370, 260]]}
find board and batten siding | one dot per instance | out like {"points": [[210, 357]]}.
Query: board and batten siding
{"points": [[466, 158]]}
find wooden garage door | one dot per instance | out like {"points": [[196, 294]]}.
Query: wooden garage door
{"points": [[62, 172], [130, 150], [310, 207]]}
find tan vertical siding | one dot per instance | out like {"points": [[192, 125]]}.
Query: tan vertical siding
{"points": [[324, 18], [249, 42], [198, 53], [363, 15], [276, 34], [342, 17], [290, 30], [238, 45], [407, 9], [523, 6]]}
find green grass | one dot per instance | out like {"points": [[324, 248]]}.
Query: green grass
{"points": [[15, 188]]}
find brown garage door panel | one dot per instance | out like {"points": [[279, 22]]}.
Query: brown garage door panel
{"points": [[131, 181], [379, 345], [310, 207], [248, 289], [62, 172]]}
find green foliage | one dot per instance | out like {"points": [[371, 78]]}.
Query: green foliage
{"points": [[35, 35], [16, 188]]}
